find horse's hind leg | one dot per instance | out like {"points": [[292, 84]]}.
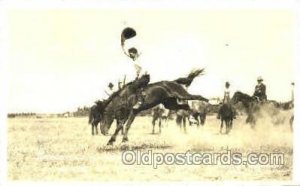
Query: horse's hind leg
{"points": [[172, 104], [194, 97]]}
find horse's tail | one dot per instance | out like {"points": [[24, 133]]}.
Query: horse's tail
{"points": [[189, 79]]}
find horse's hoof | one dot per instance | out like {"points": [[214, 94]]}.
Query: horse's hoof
{"points": [[111, 142], [124, 140]]}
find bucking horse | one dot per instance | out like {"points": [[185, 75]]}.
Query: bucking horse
{"points": [[120, 106]]}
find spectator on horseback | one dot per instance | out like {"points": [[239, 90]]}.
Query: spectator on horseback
{"points": [[226, 99], [293, 87], [129, 46], [109, 91], [260, 90], [292, 95]]}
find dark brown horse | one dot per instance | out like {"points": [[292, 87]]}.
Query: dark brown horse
{"points": [[251, 105], [256, 109], [164, 92], [226, 115], [95, 116]]}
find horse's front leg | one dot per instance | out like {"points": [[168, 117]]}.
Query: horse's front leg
{"points": [[159, 125], [221, 127], [253, 123], [128, 125], [198, 119], [227, 126], [184, 124], [122, 130], [93, 128], [114, 136], [96, 127], [178, 121], [121, 122], [291, 123]]}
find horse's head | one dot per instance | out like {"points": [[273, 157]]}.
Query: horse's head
{"points": [[106, 123], [237, 97], [241, 97], [116, 109]]}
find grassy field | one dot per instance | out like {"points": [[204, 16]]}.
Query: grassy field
{"points": [[64, 149]]}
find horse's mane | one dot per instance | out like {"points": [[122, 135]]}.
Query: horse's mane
{"points": [[138, 83], [132, 83]]}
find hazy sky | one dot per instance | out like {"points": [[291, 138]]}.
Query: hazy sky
{"points": [[60, 59]]}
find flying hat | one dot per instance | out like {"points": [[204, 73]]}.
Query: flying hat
{"points": [[127, 33]]}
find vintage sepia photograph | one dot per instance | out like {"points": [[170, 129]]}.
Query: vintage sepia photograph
{"points": [[149, 91]]}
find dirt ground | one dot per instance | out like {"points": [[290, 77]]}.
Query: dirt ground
{"points": [[64, 149]]}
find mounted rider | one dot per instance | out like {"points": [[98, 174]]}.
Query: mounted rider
{"points": [[129, 46], [292, 95], [227, 91], [226, 100], [260, 90]]}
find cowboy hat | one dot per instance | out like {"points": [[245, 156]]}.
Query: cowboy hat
{"points": [[127, 33], [259, 78]]}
